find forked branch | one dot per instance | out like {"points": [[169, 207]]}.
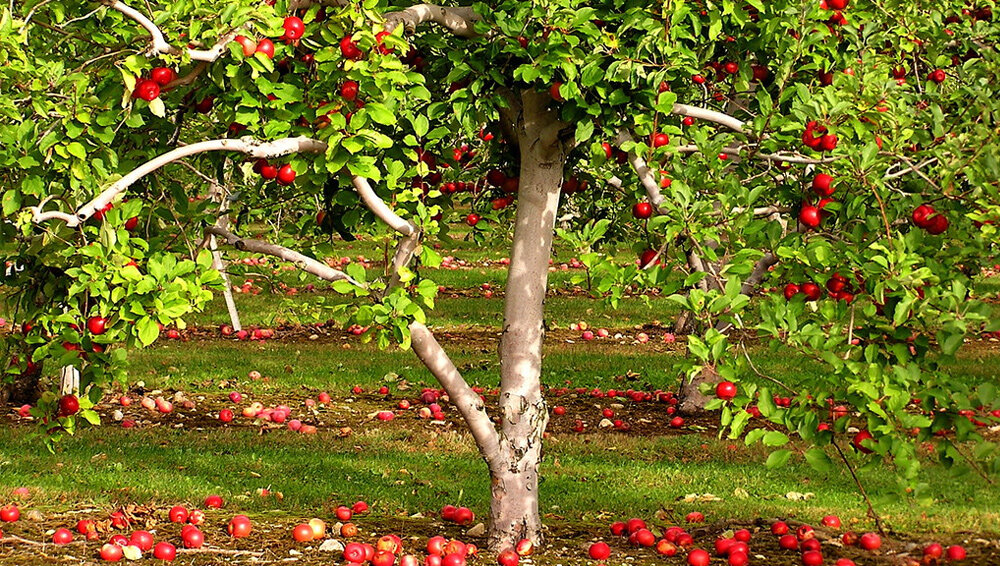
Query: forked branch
{"points": [[458, 20], [160, 44]]}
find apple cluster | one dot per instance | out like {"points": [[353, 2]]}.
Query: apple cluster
{"points": [[804, 540], [838, 287], [924, 216], [440, 552], [284, 174], [148, 89]]}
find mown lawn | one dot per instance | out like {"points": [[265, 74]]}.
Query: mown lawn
{"points": [[412, 467]]}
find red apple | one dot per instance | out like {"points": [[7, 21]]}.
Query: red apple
{"points": [[354, 552], [165, 551], [178, 514], [294, 28], [554, 92], [726, 391], [464, 516], [349, 90], [600, 551], [143, 540], [302, 533], [831, 521], [809, 215], [265, 47], [163, 76], [788, 542], [97, 325], [349, 49], [111, 553], [193, 537], [642, 210], [870, 541], [934, 550], [822, 185], [955, 553], [508, 558], [249, 45], [698, 557], [286, 175], [859, 439], [68, 405], [812, 558], [146, 90], [239, 526], [435, 545], [62, 536], [811, 291]]}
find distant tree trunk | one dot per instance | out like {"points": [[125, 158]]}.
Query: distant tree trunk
{"points": [[523, 413], [691, 401], [218, 194], [69, 380], [23, 389]]}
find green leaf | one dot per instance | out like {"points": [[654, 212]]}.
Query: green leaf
{"points": [[77, 150], [380, 114], [157, 107], [775, 438], [148, 330], [778, 458], [819, 460]]}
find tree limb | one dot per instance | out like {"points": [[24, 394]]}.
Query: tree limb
{"points": [[304, 262], [160, 44], [458, 20], [380, 208], [700, 113], [783, 157], [247, 145], [643, 171], [404, 254], [469, 404]]}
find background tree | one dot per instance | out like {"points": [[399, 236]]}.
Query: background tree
{"points": [[710, 122]]}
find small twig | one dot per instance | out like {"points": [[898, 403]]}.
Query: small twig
{"points": [[972, 463], [850, 334], [759, 374], [861, 487]]}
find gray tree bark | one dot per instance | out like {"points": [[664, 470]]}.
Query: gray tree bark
{"points": [[514, 476]]}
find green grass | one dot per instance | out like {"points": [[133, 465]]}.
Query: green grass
{"points": [[404, 471], [409, 469]]}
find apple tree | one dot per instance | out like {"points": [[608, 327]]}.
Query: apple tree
{"points": [[756, 144]]}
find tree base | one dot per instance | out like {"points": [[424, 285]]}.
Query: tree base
{"points": [[690, 400], [25, 389]]}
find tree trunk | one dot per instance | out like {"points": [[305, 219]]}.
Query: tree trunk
{"points": [[217, 194], [69, 380], [514, 508], [24, 389], [691, 401]]}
